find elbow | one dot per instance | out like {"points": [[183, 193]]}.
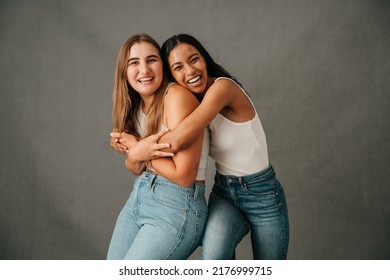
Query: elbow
{"points": [[177, 145], [185, 180], [174, 148], [136, 171], [133, 168], [185, 183]]}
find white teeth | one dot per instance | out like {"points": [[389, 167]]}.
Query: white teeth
{"points": [[194, 80], [145, 79]]}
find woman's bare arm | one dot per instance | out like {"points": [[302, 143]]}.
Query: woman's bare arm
{"points": [[144, 150], [138, 152], [218, 96], [182, 168]]}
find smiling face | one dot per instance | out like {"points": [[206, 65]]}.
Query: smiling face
{"points": [[144, 69], [188, 68]]}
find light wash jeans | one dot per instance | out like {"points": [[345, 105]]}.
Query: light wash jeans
{"points": [[239, 204], [161, 220]]}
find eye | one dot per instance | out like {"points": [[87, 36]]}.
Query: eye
{"points": [[151, 60], [177, 68], [194, 60], [132, 63]]}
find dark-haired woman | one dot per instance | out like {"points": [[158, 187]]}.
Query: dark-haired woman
{"points": [[246, 194]]}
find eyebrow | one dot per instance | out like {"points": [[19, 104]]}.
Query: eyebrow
{"points": [[178, 63], [137, 58]]}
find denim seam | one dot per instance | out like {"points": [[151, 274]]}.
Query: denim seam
{"points": [[183, 229], [196, 231]]}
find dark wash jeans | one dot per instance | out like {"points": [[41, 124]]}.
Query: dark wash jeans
{"points": [[237, 205]]}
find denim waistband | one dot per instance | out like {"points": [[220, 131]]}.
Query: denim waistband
{"points": [[195, 188], [264, 174]]}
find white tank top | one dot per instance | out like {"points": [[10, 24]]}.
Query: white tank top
{"points": [[239, 149], [201, 176]]}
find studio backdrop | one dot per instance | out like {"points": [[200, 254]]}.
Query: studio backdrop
{"points": [[317, 72]]}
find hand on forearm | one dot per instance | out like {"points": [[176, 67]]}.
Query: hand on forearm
{"points": [[148, 148], [180, 138]]}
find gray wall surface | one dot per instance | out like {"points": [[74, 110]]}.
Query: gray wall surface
{"points": [[317, 71]]}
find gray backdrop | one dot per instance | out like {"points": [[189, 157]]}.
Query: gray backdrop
{"points": [[318, 73]]}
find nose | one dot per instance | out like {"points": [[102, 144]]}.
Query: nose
{"points": [[190, 70], [144, 68]]}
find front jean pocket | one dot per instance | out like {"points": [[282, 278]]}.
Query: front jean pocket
{"points": [[267, 194], [171, 196], [261, 188]]}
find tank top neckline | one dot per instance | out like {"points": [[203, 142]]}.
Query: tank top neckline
{"points": [[253, 106]]}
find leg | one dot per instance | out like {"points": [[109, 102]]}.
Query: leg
{"points": [[173, 220], [265, 207], [270, 236], [155, 242], [225, 228], [124, 233]]}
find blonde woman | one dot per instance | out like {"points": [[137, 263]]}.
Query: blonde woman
{"points": [[165, 215]]}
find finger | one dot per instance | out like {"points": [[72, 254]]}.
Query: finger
{"points": [[162, 146], [121, 147], [122, 142], [158, 135], [114, 141], [115, 134], [118, 146], [124, 133], [162, 154]]}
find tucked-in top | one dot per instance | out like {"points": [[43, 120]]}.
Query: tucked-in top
{"points": [[239, 149]]}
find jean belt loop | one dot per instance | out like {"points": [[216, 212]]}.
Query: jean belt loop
{"points": [[196, 191], [152, 179]]}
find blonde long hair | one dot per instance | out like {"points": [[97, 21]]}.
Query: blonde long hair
{"points": [[126, 101]]}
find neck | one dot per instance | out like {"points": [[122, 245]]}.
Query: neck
{"points": [[146, 102], [210, 81]]}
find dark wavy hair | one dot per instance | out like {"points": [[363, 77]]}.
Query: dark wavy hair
{"points": [[213, 69]]}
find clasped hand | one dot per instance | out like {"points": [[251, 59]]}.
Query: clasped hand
{"points": [[139, 150]]}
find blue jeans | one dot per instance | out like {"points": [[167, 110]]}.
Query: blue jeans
{"points": [[239, 204], [161, 220]]}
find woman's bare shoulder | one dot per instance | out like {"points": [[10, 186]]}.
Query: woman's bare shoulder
{"points": [[179, 93], [224, 86]]}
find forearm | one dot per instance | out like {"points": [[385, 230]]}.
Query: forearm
{"points": [[135, 167], [183, 135], [175, 140], [182, 169], [168, 169], [135, 160]]}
